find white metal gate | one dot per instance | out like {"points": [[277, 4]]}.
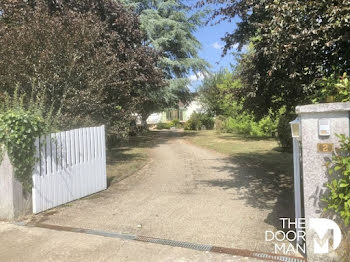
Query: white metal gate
{"points": [[71, 165]]}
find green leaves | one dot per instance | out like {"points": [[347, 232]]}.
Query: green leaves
{"points": [[338, 198], [296, 43], [333, 89], [199, 120], [88, 58], [19, 127], [169, 27]]}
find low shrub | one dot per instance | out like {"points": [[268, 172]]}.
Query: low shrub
{"points": [[161, 126], [283, 131], [246, 125], [268, 125], [194, 123], [338, 199], [198, 121], [176, 123], [220, 123], [207, 121]]}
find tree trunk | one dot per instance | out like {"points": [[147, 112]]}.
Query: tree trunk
{"points": [[144, 121]]}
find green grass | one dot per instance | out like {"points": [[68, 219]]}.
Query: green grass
{"points": [[262, 152]]}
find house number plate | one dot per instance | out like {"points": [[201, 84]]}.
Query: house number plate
{"points": [[325, 148]]}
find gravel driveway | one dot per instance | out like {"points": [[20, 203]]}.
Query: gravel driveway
{"points": [[184, 193]]}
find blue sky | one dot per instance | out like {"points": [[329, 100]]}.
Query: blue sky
{"points": [[210, 38]]}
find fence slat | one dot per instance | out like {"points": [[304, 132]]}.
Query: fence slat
{"points": [[43, 172], [67, 150], [98, 157], [72, 144], [36, 175], [72, 165], [48, 154], [59, 197], [94, 149], [84, 176], [53, 174], [104, 160], [64, 156]]}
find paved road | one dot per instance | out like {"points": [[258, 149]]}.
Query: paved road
{"points": [[185, 193]]}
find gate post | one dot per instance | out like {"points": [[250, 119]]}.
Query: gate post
{"points": [[14, 202], [320, 123], [296, 130]]}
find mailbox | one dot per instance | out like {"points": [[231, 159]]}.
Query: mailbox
{"points": [[324, 127]]}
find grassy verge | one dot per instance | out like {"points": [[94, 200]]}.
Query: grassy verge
{"points": [[130, 156], [251, 151]]}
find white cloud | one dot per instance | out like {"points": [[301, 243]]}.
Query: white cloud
{"points": [[235, 46], [245, 48], [217, 45], [198, 77]]}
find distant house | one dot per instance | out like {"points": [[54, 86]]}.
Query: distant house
{"points": [[182, 114]]}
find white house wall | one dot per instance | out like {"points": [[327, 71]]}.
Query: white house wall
{"points": [[154, 118], [194, 106]]}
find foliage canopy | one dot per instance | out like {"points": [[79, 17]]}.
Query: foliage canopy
{"points": [[169, 27], [294, 44], [87, 57]]}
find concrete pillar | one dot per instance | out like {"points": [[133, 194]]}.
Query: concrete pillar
{"points": [[314, 157], [14, 202]]}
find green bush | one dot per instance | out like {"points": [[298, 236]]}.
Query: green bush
{"points": [[220, 123], [333, 89], [161, 126], [19, 127], [176, 123], [246, 125], [283, 131], [241, 124], [206, 121], [338, 198], [268, 125], [199, 120], [194, 123]]}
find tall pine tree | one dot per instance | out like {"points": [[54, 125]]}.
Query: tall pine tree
{"points": [[170, 26]]}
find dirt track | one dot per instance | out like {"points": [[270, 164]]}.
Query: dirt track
{"points": [[185, 193]]}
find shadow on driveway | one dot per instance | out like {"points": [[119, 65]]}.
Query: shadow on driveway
{"points": [[129, 155], [263, 186]]}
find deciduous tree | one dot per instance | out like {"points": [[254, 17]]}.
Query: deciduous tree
{"points": [[294, 44], [87, 57]]}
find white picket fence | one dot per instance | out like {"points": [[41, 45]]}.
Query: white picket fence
{"points": [[72, 165]]}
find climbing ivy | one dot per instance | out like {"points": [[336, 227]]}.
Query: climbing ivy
{"points": [[338, 198], [19, 127]]}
